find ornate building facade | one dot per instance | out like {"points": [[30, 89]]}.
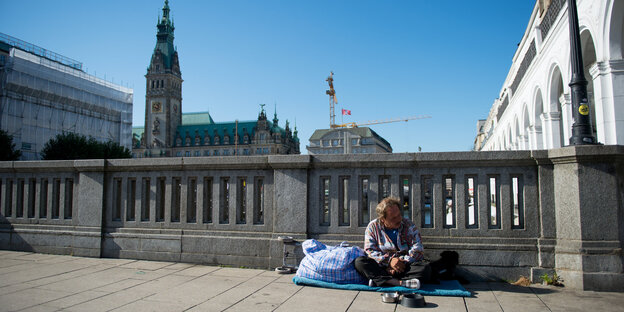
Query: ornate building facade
{"points": [[170, 133], [534, 109]]}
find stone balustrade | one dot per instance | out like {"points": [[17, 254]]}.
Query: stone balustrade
{"points": [[506, 213]]}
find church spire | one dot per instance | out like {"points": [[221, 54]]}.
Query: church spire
{"points": [[166, 11], [275, 120]]}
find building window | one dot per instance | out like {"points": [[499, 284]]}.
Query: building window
{"points": [[265, 151], [206, 153], [258, 151], [245, 151], [472, 210], [226, 152], [197, 153], [354, 141], [325, 143], [449, 202], [178, 154], [427, 202], [215, 152], [187, 153]]}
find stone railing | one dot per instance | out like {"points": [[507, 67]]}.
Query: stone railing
{"points": [[506, 213]]}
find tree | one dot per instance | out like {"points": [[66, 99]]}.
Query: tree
{"points": [[7, 147], [75, 146]]}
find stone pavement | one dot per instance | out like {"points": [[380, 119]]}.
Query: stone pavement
{"points": [[41, 282]]}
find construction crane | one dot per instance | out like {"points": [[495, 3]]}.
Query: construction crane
{"points": [[332, 100], [332, 107], [375, 122]]}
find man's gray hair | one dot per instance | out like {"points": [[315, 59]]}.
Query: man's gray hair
{"points": [[382, 207]]}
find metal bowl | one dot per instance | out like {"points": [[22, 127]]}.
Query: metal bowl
{"points": [[390, 297], [413, 300]]}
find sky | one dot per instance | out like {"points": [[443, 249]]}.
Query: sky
{"points": [[391, 59]]}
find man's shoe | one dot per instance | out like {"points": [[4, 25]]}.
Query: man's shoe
{"points": [[371, 283], [412, 283]]}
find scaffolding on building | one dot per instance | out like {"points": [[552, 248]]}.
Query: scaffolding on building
{"points": [[43, 94]]}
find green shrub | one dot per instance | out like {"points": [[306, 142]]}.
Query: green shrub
{"points": [[75, 146]]}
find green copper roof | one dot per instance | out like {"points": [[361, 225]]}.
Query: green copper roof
{"points": [[200, 118], [165, 36]]}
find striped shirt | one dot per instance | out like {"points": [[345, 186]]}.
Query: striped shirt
{"points": [[380, 247]]}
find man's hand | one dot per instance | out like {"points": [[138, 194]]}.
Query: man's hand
{"points": [[397, 266]]}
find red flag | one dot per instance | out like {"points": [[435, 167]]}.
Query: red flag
{"points": [[346, 112]]}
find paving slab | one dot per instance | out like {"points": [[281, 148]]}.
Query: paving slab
{"points": [[312, 298], [197, 270], [517, 298], [120, 285], [482, 298], [366, 301], [234, 294], [149, 306], [31, 282], [30, 297], [75, 299], [40, 308], [146, 265], [238, 272], [267, 298]]}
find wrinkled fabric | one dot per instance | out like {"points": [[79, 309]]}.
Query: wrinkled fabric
{"points": [[332, 264], [381, 248]]}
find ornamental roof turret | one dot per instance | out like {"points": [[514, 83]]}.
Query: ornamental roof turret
{"points": [[165, 54]]}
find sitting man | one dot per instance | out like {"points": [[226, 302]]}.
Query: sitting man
{"points": [[394, 249]]}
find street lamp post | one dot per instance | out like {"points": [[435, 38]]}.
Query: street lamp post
{"points": [[581, 129]]}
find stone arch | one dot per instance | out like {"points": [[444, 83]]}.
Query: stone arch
{"points": [[517, 135], [526, 124], [615, 30], [559, 105], [537, 129]]}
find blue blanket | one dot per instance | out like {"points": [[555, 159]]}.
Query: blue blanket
{"points": [[445, 288]]}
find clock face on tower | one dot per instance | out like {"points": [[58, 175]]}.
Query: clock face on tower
{"points": [[156, 107]]}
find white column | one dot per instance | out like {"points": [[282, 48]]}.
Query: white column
{"points": [[535, 137], [551, 121], [566, 118], [608, 78], [523, 142]]}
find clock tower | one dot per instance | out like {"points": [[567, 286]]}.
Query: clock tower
{"points": [[163, 95]]}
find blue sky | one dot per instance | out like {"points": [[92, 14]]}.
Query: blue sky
{"points": [[391, 59]]}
